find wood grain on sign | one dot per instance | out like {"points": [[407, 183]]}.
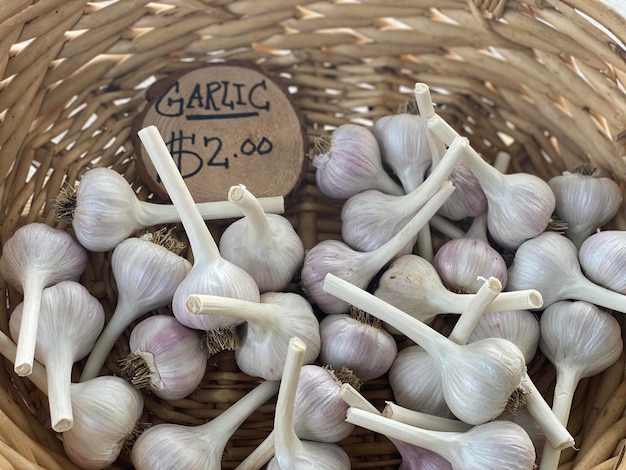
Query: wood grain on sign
{"points": [[225, 124]]}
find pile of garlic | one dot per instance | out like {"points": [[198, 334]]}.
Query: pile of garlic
{"points": [[314, 348]]}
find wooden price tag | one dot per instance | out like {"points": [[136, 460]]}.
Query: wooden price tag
{"points": [[225, 124]]}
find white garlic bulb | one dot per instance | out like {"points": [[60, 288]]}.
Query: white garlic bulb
{"points": [[358, 342], [404, 146], [549, 263], [581, 340], [370, 218], [165, 357], [167, 446], [585, 201], [290, 451], [269, 325], [519, 205], [413, 285], [470, 200], [146, 274], [360, 268], [266, 246], [602, 257], [463, 263], [477, 378], [106, 411], [105, 210], [497, 444], [210, 274], [415, 382], [34, 257], [319, 412], [521, 327], [350, 162], [70, 320]]}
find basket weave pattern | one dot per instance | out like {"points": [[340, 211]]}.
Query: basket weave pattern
{"points": [[543, 80]]}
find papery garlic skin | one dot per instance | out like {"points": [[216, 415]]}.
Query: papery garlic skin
{"points": [[404, 147], [415, 381], [70, 321], [602, 257], [585, 201], [351, 163], [266, 246], [518, 326], [34, 257], [469, 200], [106, 410], [172, 354], [319, 411], [366, 349]]}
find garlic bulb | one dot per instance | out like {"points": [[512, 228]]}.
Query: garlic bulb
{"points": [[290, 451], [470, 200], [37, 256], [404, 146], [519, 205], [413, 457], [319, 411], [414, 379], [521, 327], [165, 357], [497, 444], [581, 341], [146, 274], [105, 210], [70, 320], [270, 324], [358, 342], [334, 256], [266, 246], [370, 218], [602, 257], [349, 162], [412, 285], [211, 274], [526, 420], [462, 263], [472, 396], [105, 410], [167, 446], [585, 201], [549, 263]]}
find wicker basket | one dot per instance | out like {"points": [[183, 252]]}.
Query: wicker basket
{"points": [[544, 80]]}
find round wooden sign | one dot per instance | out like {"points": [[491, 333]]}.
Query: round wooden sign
{"points": [[225, 124]]}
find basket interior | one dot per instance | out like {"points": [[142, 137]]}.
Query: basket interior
{"points": [[543, 81]]}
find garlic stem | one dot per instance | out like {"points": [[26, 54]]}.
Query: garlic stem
{"points": [[553, 428], [353, 398], [25, 354], [446, 227], [427, 110], [125, 313], [258, 312], [38, 374], [466, 323], [260, 455], [200, 238], [438, 126], [423, 420], [59, 378], [251, 208], [566, 383], [286, 442], [155, 214]]}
